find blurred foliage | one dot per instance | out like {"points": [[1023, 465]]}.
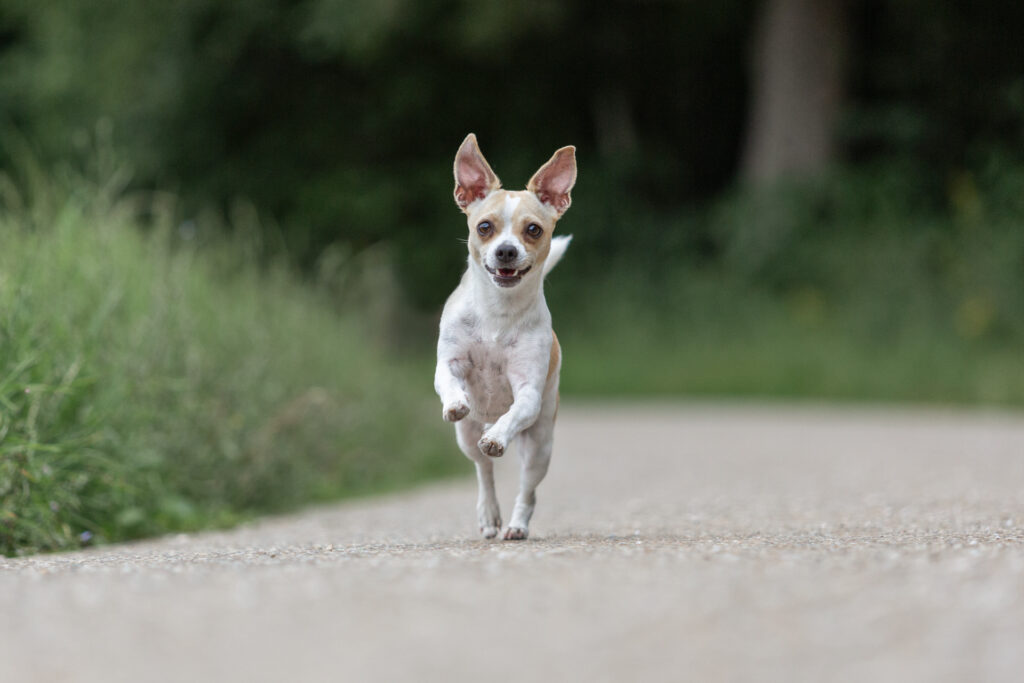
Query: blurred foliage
{"points": [[339, 118], [942, 82], [853, 285], [156, 380]]}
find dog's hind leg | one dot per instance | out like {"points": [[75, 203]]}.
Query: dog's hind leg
{"points": [[467, 434], [535, 452]]}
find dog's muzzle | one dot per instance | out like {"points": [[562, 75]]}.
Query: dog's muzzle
{"points": [[507, 277]]}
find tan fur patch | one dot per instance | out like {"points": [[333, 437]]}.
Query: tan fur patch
{"points": [[556, 355], [553, 361]]}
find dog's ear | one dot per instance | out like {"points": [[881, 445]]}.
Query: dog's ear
{"points": [[474, 178], [553, 181]]}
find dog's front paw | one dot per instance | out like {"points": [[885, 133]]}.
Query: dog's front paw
{"points": [[489, 516], [515, 533], [490, 446], [453, 412]]}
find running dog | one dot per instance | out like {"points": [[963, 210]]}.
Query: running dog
{"points": [[497, 355]]}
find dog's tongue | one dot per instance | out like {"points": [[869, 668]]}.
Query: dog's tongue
{"points": [[506, 272]]}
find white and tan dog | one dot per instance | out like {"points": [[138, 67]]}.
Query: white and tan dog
{"points": [[497, 356]]}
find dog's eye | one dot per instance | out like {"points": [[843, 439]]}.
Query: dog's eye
{"points": [[534, 230], [484, 228]]}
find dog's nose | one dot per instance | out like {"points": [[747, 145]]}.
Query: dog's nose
{"points": [[506, 253]]}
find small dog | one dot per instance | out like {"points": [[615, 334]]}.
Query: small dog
{"points": [[497, 356]]}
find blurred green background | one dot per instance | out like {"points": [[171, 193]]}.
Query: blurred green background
{"points": [[226, 228]]}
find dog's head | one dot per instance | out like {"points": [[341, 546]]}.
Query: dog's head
{"points": [[510, 232]]}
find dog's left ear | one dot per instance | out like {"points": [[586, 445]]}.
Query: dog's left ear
{"points": [[553, 181]]}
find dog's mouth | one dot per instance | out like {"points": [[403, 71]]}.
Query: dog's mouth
{"points": [[508, 277]]}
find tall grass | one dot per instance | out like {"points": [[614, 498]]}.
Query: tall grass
{"points": [[864, 284], [147, 385]]}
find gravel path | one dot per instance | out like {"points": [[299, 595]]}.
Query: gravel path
{"points": [[705, 543]]}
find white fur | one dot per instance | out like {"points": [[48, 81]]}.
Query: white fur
{"points": [[492, 377], [509, 210]]}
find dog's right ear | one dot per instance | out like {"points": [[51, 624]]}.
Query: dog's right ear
{"points": [[474, 178]]}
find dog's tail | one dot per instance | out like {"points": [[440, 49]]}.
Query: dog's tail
{"points": [[558, 247]]}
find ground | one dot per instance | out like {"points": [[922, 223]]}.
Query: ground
{"points": [[671, 542]]}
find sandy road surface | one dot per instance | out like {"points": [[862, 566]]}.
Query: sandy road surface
{"points": [[704, 543]]}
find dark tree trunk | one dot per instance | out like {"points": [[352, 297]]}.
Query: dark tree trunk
{"points": [[799, 58]]}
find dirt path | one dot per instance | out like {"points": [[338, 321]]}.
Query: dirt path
{"points": [[704, 543]]}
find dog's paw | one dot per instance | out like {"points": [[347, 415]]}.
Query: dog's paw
{"points": [[453, 412], [515, 533], [488, 516], [491, 446]]}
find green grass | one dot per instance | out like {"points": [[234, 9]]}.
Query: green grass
{"points": [[147, 385], [775, 360], [859, 285]]}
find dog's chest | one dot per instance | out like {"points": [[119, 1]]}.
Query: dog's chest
{"points": [[490, 392]]}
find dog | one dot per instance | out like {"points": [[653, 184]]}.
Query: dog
{"points": [[498, 358]]}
